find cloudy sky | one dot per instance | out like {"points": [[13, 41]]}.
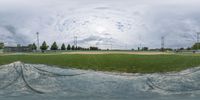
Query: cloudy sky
{"points": [[123, 23]]}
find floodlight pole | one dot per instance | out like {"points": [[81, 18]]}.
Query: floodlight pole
{"points": [[38, 41], [75, 41], [162, 43], [111, 43], [198, 33]]}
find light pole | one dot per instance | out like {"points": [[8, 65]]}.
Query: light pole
{"points": [[38, 41], [75, 41], [198, 43], [162, 43]]}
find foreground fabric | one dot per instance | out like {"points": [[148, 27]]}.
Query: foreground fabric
{"points": [[21, 81]]}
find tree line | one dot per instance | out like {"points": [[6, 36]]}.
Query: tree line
{"points": [[54, 46]]}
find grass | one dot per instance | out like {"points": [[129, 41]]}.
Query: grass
{"points": [[111, 62]]}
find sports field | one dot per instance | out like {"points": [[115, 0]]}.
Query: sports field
{"points": [[116, 61]]}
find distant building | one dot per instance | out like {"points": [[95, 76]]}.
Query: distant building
{"points": [[17, 49]]}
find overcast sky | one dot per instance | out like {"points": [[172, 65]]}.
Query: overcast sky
{"points": [[122, 23]]}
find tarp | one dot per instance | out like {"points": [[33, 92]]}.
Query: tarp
{"points": [[20, 81]]}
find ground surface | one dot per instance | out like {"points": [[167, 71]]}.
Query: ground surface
{"points": [[118, 61], [19, 81]]}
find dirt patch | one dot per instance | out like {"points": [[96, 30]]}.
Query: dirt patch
{"points": [[116, 52]]}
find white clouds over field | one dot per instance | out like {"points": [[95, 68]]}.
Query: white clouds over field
{"points": [[101, 22]]}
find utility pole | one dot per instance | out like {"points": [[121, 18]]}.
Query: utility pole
{"points": [[162, 43], [38, 41]]}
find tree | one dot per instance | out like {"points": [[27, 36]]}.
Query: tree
{"points": [[188, 48], [145, 48], [44, 46], [79, 48], [76, 48], [181, 48], [68, 47], [138, 48], [34, 47], [30, 46], [196, 46], [94, 48], [162, 49], [54, 46], [1, 45], [73, 48], [63, 47]]}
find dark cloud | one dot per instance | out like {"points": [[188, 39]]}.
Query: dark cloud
{"points": [[11, 29], [13, 37], [91, 38]]}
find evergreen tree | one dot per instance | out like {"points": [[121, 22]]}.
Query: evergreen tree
{"points": [[54, 46], [34, 47], [44, 46], [94, 48], [73, 48], [63, 47], [68, 47], [145, 48]]}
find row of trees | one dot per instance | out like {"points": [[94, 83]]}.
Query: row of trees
{"points": [[54, 46], [196, 46]]}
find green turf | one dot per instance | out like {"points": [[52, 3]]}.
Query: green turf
{"points": [[111, 62]]}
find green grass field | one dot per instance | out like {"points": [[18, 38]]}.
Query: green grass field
{"points": [[131, 63]]}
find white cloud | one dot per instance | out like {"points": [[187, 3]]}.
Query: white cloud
{"points": [[95, 22]]}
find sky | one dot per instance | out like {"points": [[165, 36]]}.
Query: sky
{"points": [[117, 24]]}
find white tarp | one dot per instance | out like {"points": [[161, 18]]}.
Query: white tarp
{"points": [[21, 81]]}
